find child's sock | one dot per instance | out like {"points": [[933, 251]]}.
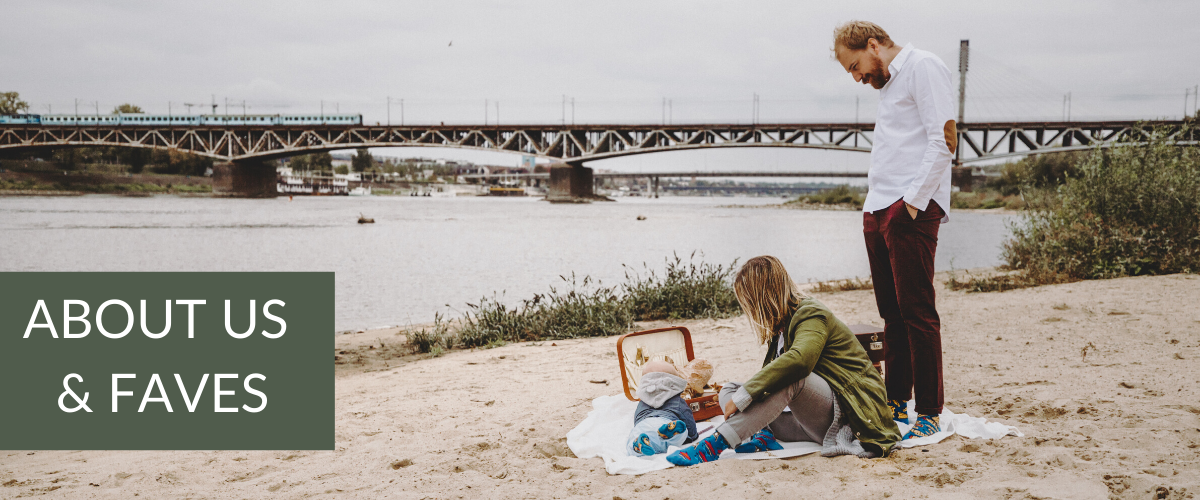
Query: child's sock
{"points": [[705, 450], [642, 445], [761, 441], [671, 429]]}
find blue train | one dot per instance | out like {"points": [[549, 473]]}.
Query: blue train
{"points": [[159, 120]]}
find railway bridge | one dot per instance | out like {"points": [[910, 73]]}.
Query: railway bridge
{"points": [[244, 149]]}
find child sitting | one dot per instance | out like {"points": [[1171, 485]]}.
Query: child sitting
{"points": [[662, 418]]}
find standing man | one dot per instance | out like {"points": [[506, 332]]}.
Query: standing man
{"points": [[909, 192]]}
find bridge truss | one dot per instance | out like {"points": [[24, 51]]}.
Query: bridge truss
{"points": [[576, 144]]}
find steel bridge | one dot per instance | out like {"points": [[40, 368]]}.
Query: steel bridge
{"points": [[575, 144]]}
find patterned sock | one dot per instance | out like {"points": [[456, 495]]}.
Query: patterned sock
{"points": [[670, 429], [899, 410], [761, 441], [705, 450], [642, 445], [927, 425]]}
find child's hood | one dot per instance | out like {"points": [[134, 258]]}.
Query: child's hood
{"points": [[656, 388]]}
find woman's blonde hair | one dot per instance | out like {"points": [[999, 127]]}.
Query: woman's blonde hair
{"points": [[766, 293]]}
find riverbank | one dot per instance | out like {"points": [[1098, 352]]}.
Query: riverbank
{"points": [[1097, 374], [66, 183]]}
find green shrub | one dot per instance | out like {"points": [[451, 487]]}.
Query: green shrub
{"points": [[841, 195], [581, 310], [586, 309], [432, 340], [1130, 210], [684, 291], [844, 285]]}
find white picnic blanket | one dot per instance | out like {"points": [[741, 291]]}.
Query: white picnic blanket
{"points": [[604, 431]]}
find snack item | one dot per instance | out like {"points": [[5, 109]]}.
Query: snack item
{"points": [[697, 373]]}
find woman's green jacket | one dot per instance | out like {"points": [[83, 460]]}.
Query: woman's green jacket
{"points": [[817, 342]]}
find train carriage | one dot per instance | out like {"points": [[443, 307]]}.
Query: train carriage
{"points": [[140, 119]]}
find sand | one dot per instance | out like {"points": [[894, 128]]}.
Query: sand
{"points": [[1101, 377]]}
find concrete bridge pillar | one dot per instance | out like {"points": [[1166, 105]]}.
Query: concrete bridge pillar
{"points": [[244, 179], [572, 184]]}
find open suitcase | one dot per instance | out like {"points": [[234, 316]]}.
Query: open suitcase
{"points": [[674, 345]]}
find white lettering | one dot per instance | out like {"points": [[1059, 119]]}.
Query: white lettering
{"points": [[41, 307], [100, 321], [166, 325], [116, 377], [82, 318], [272, 317], [191, 402], [155, 381], [191, 314], [262, 397], [229, 329], [217, 392]]}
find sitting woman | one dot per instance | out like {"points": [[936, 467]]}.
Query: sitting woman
{"points": [[816, 384]]}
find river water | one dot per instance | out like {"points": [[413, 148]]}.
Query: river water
{"points": [[428, 255]]}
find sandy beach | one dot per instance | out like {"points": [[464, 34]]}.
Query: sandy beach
{"points": [[1101, 377]]}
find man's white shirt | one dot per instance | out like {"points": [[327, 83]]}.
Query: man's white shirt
{"points": [[909, 156]]}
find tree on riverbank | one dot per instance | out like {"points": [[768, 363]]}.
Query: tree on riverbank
{"points": [[1131, 210], [11, 103], [127, 109], [362, 161]]}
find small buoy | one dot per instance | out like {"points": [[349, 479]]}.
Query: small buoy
{"points": [[641, 217]]}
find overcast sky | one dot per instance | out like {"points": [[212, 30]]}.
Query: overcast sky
{"points": [[617, 60]]}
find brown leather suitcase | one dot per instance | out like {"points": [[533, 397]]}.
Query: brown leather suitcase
{"points": [[673, 345], [871, 338]]}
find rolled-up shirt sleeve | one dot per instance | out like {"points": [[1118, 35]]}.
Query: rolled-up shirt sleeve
{"points": [[933, 93]]}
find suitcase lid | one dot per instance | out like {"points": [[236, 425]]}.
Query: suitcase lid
{"points": [[671, 344]]}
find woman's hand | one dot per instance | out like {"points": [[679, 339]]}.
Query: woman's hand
{"points": [[730, 409]]}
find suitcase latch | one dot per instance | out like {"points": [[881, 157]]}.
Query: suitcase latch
{"points": [[694, 406], [875, 343]]}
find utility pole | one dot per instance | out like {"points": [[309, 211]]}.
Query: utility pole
{"points": [[169, 112], [401, 112], [389, 111], [214, 104], [964, 52], [243, 109], [76, 107], [564, 109]]}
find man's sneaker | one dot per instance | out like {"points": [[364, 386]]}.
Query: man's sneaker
{"points": [[899, 410], [927, 425]]}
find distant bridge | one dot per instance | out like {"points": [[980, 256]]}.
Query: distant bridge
{"points": [[671, 175], [574, 144]]}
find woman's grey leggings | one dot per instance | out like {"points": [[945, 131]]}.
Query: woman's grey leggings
{"points": [[811, 402]]}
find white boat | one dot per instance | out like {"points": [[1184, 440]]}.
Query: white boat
{"points": [[361, 191]]}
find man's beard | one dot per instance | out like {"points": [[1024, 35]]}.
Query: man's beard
{"points": [[876, 79]]}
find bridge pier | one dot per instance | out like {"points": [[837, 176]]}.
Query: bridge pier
{"points": [[244, 179], [572, 184]]}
